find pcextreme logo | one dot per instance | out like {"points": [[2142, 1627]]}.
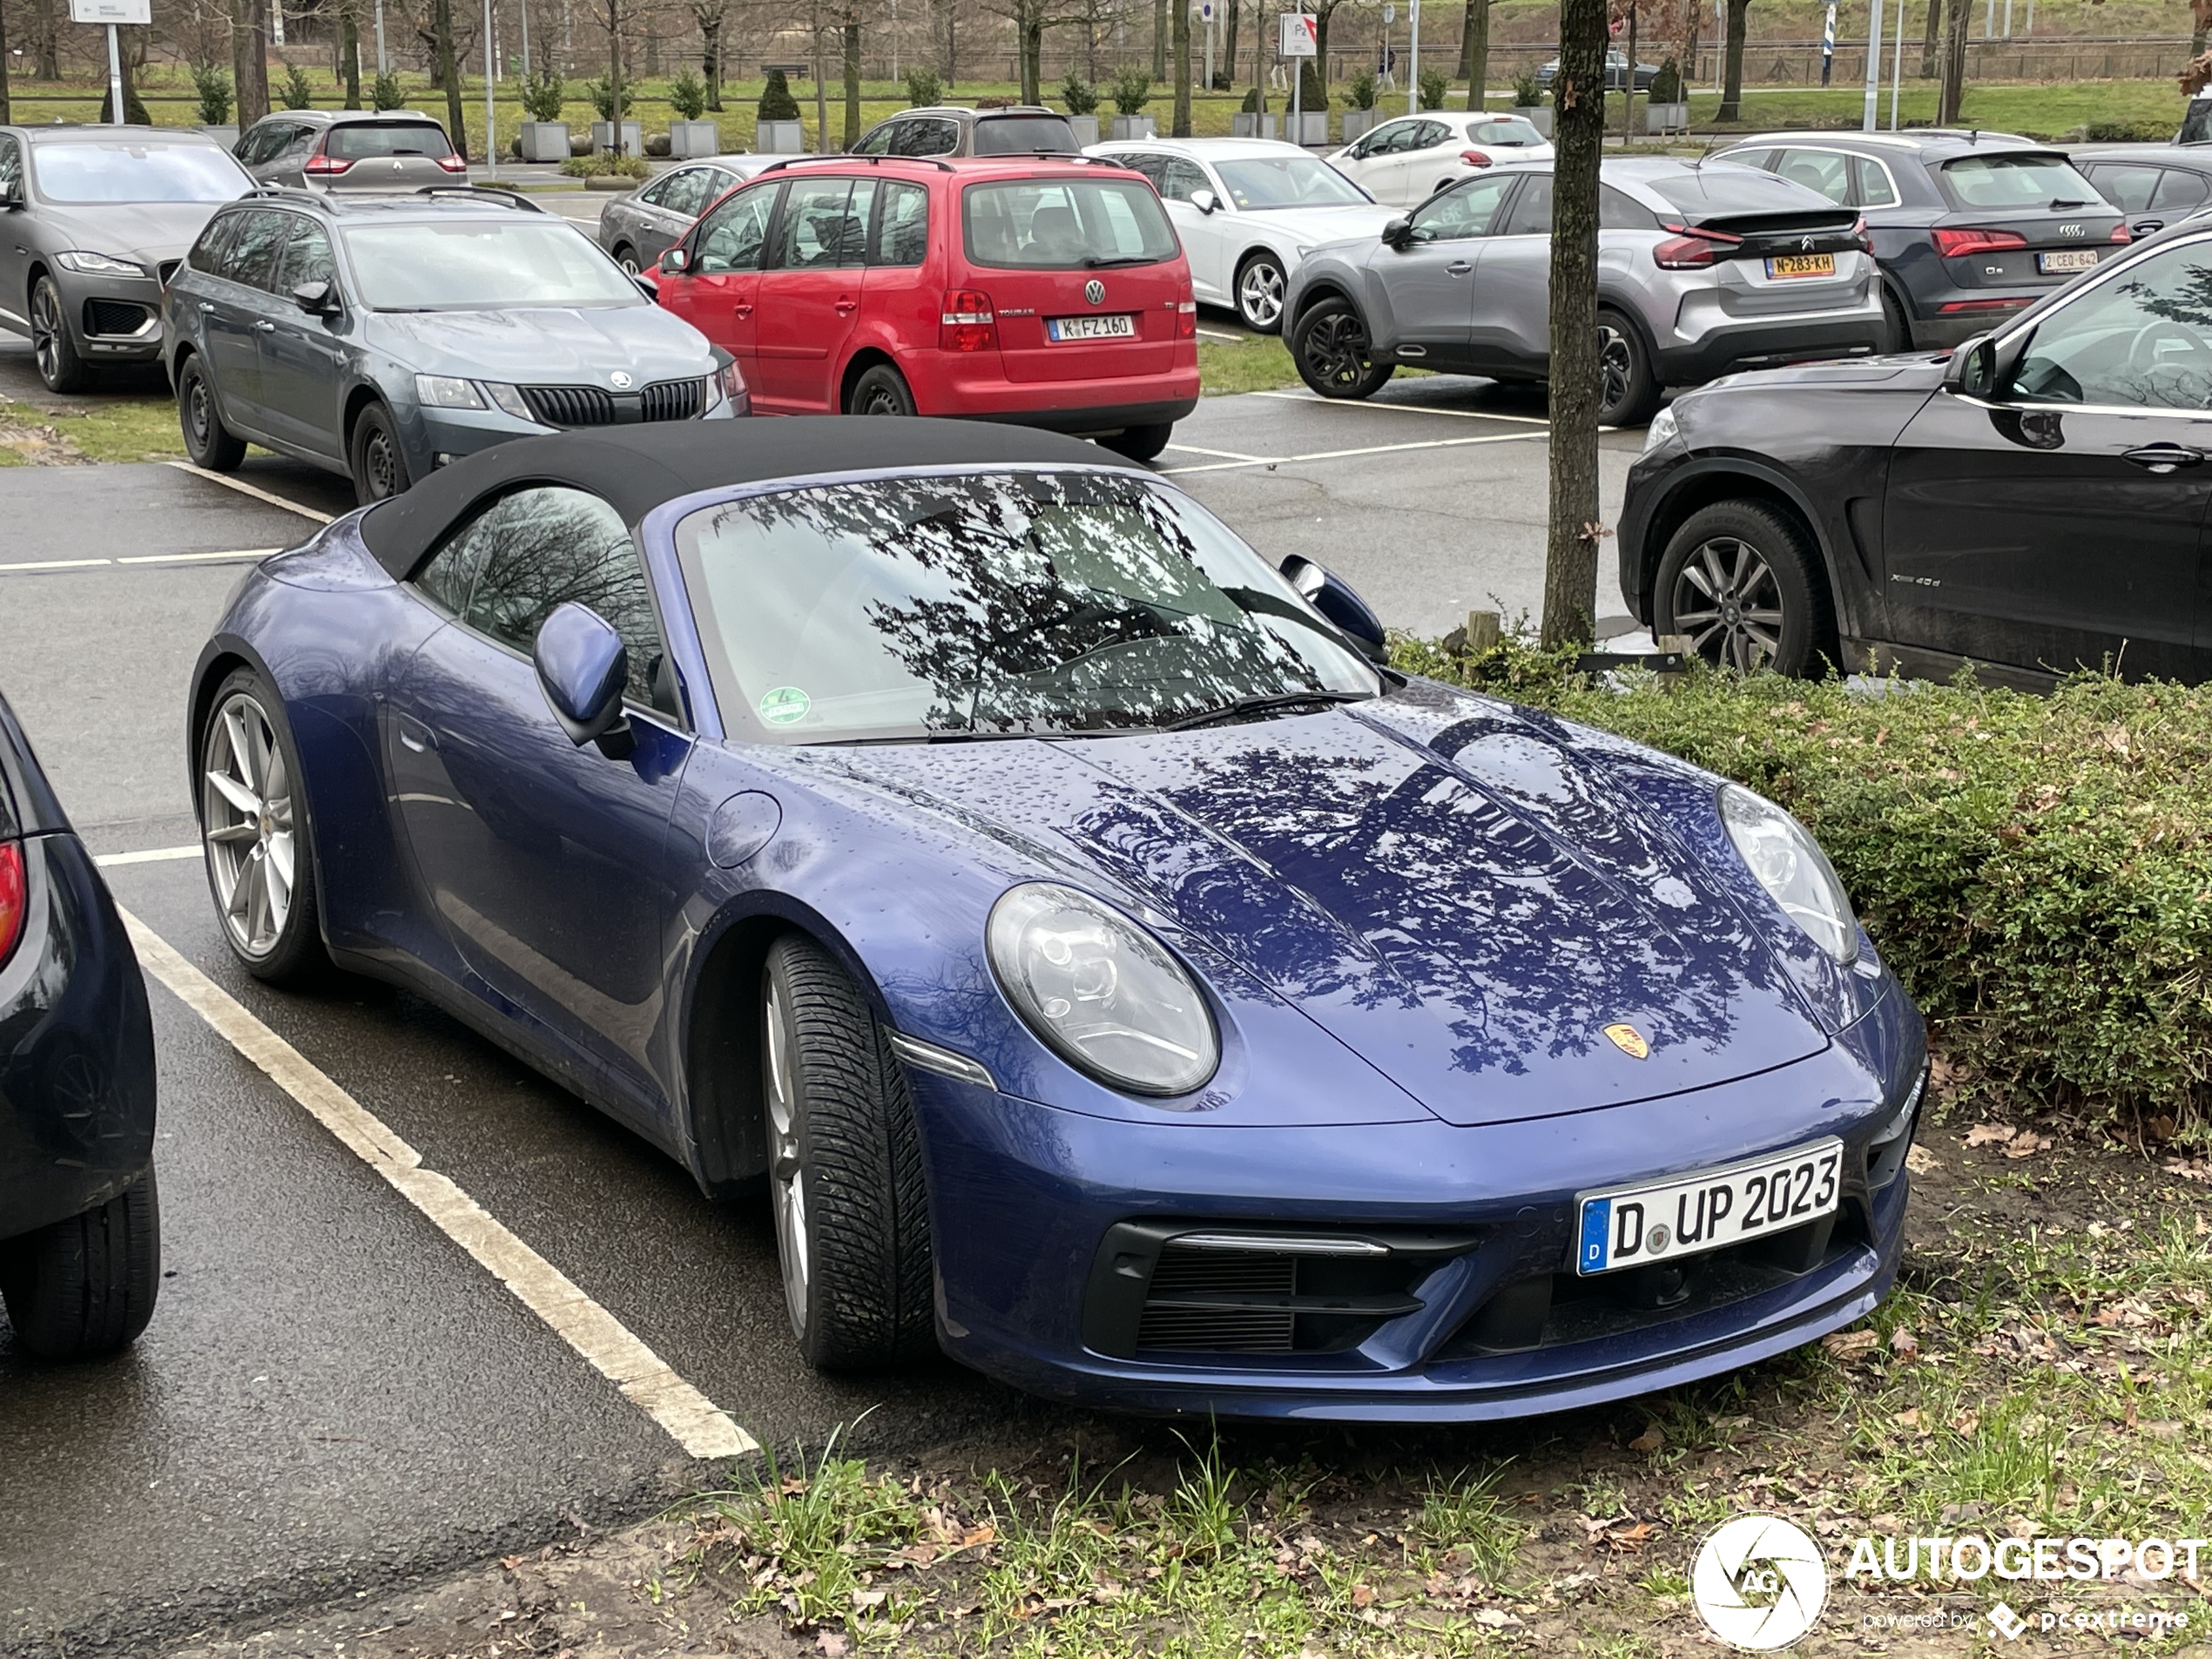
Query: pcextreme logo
{"points": [[1759, 1583]]}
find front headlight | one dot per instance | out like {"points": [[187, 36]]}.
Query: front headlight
{"points": [[1100, 991], [1662, 429], [1792, 867], [507, 399], [99, 264], [445, 392]]}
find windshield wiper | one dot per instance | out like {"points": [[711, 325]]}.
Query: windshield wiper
{"points": [[1093, 262], [2060, 204], [1263, 705]]}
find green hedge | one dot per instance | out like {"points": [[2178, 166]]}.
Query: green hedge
{"points": [[2037, 869]]}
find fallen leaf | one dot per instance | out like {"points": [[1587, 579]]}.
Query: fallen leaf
{"points": [[1904, 1343], [1920, 1161], [1649, 1441], [832, 1643], [865, 1599], [2190, 1169], [1989, 1134], [2026, 1145], [1496, 1618], [1850, 1345], [1361, 1595]]}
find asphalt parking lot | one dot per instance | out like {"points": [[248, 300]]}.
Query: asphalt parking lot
{"points": [[334, 1395]]}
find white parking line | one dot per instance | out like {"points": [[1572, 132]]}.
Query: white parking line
{"points": [[1401, 408], [1220, 455], [690, 1418], [1339, 455], [54, 564], [34, 567], [1233, 340], [152, 855], [245, 488]]}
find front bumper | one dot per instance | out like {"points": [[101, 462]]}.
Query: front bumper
{"points": [[1034, 1210], [434, 438], [114, 318]]}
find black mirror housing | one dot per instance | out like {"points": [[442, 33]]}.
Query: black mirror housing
{"points": [[1971, 371], [316, 298], [1398, 233], [1334, 597]]}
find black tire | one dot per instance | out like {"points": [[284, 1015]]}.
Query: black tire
{"points": [[1140, 442], [53, 347], [1260, 284], [1896, 326], [1742, 579], [1331, 349], [279, 941], [207, 441], [845, 1169], [880, 390], [1628, 389], [379, 463], [85, 1286], [626, 257]]}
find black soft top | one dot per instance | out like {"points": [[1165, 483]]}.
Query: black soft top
{"points": [[635, 468]]}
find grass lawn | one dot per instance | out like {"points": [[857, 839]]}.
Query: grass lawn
{"points": [[1258, 363], [63, 431], [2037, 111]]}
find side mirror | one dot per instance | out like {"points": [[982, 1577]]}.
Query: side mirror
{"points": [[1971, 371], [316, 298], [1335, 600], [646, 286], [1205, 200], [582, 667], [676, 261], [1398, 233], [11, 195]]}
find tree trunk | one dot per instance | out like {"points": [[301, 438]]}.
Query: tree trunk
{"points": [[852, 82], [250, 60], [349, 54], [1928, 43], [711, 60], [822, 88], [1578, 130], [43, 41], [1474, 52], [1952, 92], [1159, 40], [1731, 107], [7, 116], [1181, 127], [1229, 45], [1629, 92], [449, 74], [1320, 60], [1030, 32]]}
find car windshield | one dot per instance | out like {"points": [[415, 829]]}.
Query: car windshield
{"points": [[85, 171], [1262, 182], [993, 604], [360, 140], [1066, 224], [2017, 181], [472, 265], [1022, 135], [1512, 131]]}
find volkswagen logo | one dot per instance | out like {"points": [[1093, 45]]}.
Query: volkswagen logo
{"points": [[2071, 230], [621, 381], [1094, 291]]}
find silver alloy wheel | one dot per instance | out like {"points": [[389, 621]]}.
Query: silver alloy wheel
{"points": [[1259, 293], [46, 331], [628, 260], [1616, 366], [1727, 601], [246, 814], [786, 1177]]}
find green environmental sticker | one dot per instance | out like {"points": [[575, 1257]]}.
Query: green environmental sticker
{"points": [[784, 706]]}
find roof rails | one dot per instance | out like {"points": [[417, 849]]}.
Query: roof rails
{"points": [[506, 195], [292, 192], [938, 162]]}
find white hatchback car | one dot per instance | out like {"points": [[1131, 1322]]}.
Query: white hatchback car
{"points": [[1248, 210], [1406, 161]]}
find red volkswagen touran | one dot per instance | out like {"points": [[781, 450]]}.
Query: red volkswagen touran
{"points": [[1047, 292]]}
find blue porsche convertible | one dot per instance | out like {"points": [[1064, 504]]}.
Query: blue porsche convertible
{"points": [[1104, 968]]}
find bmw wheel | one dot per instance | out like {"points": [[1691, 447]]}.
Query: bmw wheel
{"points": [[1627, 389], [59, 363], [845, 1179], [1330, 347], [1741, 580], [1260, 282], [379, 465], [210, 443], [254, 831]]}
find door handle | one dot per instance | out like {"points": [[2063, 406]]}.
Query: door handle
{"points": [[1458, 268], [846, 306], [2165, 457], [742, 309], [203, 305], [262, 324], [414, 737]]}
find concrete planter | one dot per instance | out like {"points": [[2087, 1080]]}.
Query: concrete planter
{"points": [[1537, 115], [227, 137], [1134, 126], [1255, 125], [545, 140], [1311, 130], [780, 138], [1666, 117], [689, 139], [1357, 122], [1086, 128], [633, 137]]}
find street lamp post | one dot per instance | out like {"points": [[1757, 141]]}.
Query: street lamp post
{"points": [[491, 133], [1873, 66]]}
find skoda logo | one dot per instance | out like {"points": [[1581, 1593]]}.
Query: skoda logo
{"points": [[621, 381], [1094, 291], [2070, 230]]}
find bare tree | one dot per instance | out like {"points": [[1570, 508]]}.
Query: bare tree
{"points": [[349, 51], [851, 30], [1323, 11], [449, 73], [709, 14], [1952, 89], [6, 116], [1159, 40], [1731, 107], [1181, 127], [250, 58], [43, 44], [1578, 130], [1475, 52]]}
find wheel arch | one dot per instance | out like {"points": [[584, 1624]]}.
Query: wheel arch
{"points": [[863, 359], [357, 401], [1326, 288], [1731, 478]]}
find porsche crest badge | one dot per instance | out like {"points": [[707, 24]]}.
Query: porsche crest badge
{"points": [[1629, 1041]]}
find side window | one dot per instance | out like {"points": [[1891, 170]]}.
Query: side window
{"points": [[2140, 341], [2127, 188], [656, 194], [729, 238], [1762, 159], [255, 249], [1182, 179], [1821, 170], [1532, 209], [1153, 167], [1398, 138], [254, 146], [717, 181], [1875, 189], [2178, 192], [530, 553], [1618, 213], [812, 229], [1468, 210], [208, 253], [307, 255], [10, 168], [1432, 134], [902, 224], [877, 140], [687, 192], [924, 138]]}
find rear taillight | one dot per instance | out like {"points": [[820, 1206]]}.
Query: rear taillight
{"points": [[11, 898], [2122, 234], [1475, 158], [1689, 249], [968, 323], [1861, 235], [320, 163], [1954, 244], [454, 164]]}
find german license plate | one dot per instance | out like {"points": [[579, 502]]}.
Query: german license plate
{"points": [[1802, 265], [1122, 326], [2067, 259], [1664, 1221]]}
